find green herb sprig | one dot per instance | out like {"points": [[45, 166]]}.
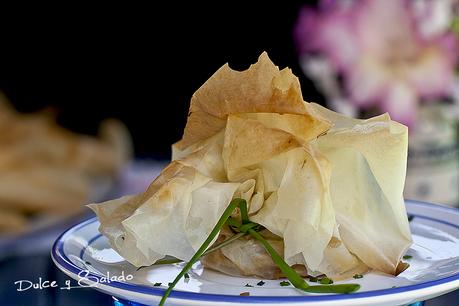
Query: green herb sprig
{"points": [[251, 228], [295, 279], [226, 214], [284, 283]]}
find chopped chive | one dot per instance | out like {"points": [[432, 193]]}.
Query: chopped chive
{"points": [[284, 283], [166, 262], [407, 257], [186, 275], [169, 284], [245, 227], [244, 214], [295, 278], [157, 284], [326, 281], [261, 283], [313, 279], [341, 288], [244, 293], [248, 285], [223, 243], [289, 272], [357, 276]]}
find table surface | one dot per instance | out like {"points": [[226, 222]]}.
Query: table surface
{"points": [[29, 260]]}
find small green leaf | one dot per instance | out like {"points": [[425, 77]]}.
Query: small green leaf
{"points": [[313, 279], [284, 283], [261, 283], [407, 257], [186, 275], [357, 276], [157, 284]]}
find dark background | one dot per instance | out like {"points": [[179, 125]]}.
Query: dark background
{"points": [[138, 64]]}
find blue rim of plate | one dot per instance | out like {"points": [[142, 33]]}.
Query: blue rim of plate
{"points": [[63, 262]]}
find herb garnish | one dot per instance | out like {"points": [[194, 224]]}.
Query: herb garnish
{"points": [[261, 283], [251, 228], [157, 284], [313, 279], [284, 283], [357, 276], [248, 285], [407, 257]]}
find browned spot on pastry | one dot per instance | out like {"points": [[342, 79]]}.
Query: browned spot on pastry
{"points": [[402, 266], [334, 243]]}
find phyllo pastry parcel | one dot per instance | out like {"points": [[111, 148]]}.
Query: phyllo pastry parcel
{"points": [[326, 189]]}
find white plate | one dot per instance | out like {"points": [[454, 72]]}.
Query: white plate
{"points": [[82, 251]]}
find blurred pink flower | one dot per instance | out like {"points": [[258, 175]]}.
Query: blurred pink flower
{"points": [[377, 46]]}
